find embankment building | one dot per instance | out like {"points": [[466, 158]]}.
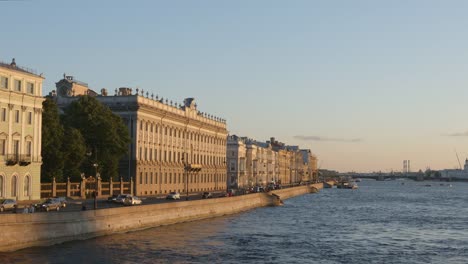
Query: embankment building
{"points": [[20, 132], [166, 140]]}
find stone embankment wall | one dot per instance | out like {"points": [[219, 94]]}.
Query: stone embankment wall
{"points": [[40, 229]]}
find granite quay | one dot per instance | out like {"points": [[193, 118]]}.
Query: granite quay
{"points": [[41, 229]]}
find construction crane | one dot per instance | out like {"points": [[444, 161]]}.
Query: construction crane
{"points": [[459, 164]]}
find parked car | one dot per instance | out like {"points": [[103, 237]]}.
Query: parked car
{"points": [[7, 204], [62, 200], [231, 192], [51, 204], [132, 200], [112, 199], [121, 197], [207, 195], [173, 196]]}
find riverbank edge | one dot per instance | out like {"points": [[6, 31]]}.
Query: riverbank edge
{"points": [[21, 231]]}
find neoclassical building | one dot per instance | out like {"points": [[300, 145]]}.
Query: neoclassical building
{"points": [[166, 139], [236, 163], [253, 163], [20, 132]]}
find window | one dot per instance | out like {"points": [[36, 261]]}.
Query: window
{"points": [[2, 147], [18, 85], [3, 82], [29, 118], [17, 116], [151, 178], [233, 166], [16, 147], [30, 88], [141, 177], [146, 178], [4, 115], [1, 186], [13, 186], [26, 186], [28, 148]]}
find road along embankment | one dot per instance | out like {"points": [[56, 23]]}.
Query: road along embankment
{"points": [[42, 229]]}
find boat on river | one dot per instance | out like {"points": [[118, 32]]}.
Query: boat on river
{"points": [[347, 185]]}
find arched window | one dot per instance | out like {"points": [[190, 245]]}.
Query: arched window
{"points": [[27, 184], [13, 186], [1, 186]]}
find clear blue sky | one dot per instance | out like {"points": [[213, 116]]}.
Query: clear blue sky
{"points": [[364, 84]]}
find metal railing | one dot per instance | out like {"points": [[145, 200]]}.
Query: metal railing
{"points": [[22, 160]]}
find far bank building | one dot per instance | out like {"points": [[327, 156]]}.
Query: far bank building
{"points": [[20, 132], [166, 138]]}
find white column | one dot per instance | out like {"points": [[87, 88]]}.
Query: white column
{"points": [[10, 128], [39, 138], [23, 111]]}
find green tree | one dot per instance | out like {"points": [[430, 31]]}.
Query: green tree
{"points": [[74, 153], [52, 137], [104, 133]]}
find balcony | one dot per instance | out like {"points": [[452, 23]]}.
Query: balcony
{"points": [[13, 159]]}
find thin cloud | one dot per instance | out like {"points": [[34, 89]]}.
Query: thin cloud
{"points": [[463, 134], [324, 139]]}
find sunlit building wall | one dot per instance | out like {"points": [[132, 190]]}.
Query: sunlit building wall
{"points": [[166, 137], [20, 132]]}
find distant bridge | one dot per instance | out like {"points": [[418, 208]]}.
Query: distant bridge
{"points": [[386, 176]]}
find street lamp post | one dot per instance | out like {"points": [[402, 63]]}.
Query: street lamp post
{"points": [[95, 165]]}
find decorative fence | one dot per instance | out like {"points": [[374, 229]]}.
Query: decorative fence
{"points": [[86, 188]]}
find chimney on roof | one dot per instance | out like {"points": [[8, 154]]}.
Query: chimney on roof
{"points": [[13, 63]]}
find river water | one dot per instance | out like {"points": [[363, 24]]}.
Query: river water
{"points": [[381, 222]]}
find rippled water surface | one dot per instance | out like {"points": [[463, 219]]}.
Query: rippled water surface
{"points": [[381, 222]]}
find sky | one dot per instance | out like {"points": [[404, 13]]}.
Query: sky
{"points": [[363, 84]]}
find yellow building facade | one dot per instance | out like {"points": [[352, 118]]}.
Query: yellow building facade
{"points": [[166, 139], [20, 132]]}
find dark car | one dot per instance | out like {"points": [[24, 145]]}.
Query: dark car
{"points": [[207, 195], [7, 204], [112, 199], [62, 200], [51, 204]]}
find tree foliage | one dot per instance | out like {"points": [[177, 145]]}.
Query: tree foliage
{"points": [[52, 137], [74, 153], [105, 135]]}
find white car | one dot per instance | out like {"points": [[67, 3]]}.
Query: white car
{"points": [[132, 200], [173, 196], [121, 198]]}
